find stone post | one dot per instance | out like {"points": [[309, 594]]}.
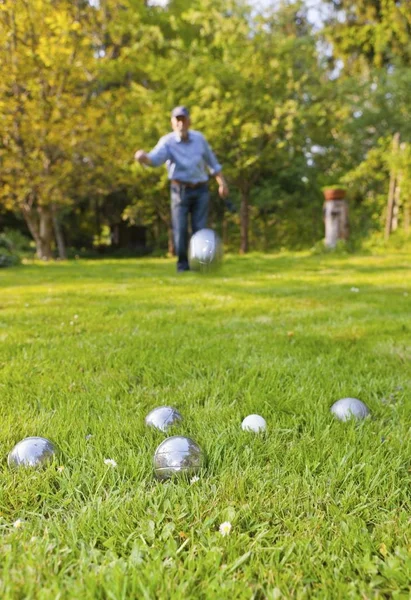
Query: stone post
{"points": [[335, 217]]}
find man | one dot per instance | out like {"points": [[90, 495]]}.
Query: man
{"points": [[187, 156]]}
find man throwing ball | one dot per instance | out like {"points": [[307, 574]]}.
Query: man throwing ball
{"points": [[188, 157]]}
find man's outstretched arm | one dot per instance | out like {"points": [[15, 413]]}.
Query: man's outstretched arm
{"points": [[158, 155]]}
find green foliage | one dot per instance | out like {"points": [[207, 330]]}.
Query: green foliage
{"points": [[368, 33], [335, 186], [17, 241], [86, 84], [8, 256], [372, 89], [45, 125]]}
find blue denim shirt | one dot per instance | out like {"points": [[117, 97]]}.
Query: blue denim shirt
{"points": [[186, 160]]}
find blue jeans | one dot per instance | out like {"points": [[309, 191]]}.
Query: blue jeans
{"points": [[185, 201]]}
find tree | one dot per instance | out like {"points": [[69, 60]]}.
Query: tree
{"points": [[369, 33], [373, 39], [48, 57]]}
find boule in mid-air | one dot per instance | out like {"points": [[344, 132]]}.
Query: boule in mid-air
{"points": [[205, 251]]}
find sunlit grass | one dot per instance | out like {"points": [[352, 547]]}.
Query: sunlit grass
{"points": [[318, 508]]}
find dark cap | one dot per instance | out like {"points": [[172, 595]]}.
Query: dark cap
{"points": [[180, 111]]}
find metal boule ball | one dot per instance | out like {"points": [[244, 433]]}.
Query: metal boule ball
{"points": [[163, 417], [178, 455], [348, 408], [205, 251], [32, 452], [254, 423]]}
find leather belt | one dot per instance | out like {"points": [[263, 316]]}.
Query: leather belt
{"points": [[188, 183]]}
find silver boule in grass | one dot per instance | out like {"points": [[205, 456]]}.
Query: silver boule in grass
{"points": [[178, 455], [205, 251], [163, 417], [254, 423], [349, 408], [32, 452]]}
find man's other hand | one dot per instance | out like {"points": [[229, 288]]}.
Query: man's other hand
{"points": [[223, 190]]}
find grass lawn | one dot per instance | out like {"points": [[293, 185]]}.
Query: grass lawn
{"points": [[319, 508]]}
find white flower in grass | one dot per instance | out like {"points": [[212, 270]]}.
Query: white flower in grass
{"points": [[71, 322], [194, 479], [75, 317], [110, 462], [18, 524], [168, 562], [60, 469], [355, 289], [225, 528]]}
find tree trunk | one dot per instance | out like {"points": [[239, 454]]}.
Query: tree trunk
{"points": [[407, 217], [45, 233], [391, 192], [59, 236], [170, 241], [244, 221], [31, 219], [225, 229], [264, 220], [40, 223], [397, 201]]}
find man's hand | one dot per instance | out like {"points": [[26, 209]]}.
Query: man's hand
{"points": [[223, 190], [222, 186], [141, 157]]}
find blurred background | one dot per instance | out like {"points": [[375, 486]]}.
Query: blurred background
{"points": [[294, 97]]}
